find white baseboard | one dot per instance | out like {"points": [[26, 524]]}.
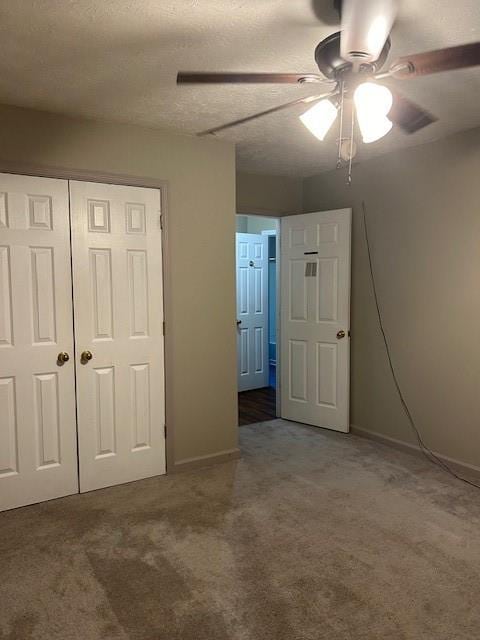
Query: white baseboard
{"points": [[204, 461], [463, 468]]}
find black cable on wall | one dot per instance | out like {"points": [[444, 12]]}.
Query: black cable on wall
{"points": [[429, 454]]}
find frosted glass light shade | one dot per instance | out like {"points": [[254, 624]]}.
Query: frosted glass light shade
{"points": [[372, 104], [373, 133], [319, 118]]}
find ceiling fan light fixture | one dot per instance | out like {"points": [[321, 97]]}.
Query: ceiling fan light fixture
{"points": [[372, 104], [374, 133], [319, 118]]}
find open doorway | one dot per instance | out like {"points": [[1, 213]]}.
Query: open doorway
{"points": [[297, 346], [256, 246]]}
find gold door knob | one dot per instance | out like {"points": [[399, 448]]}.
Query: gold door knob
{"points": [[340, 334], [86, 357], [62, 357]]}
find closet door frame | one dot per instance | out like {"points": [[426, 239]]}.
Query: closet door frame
{"points": [[130, 181]]}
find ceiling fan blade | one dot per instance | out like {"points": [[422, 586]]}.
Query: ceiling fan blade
{"points": [[366, 25], [260, 114], [449, 59], [199, 77], [410, 117]]}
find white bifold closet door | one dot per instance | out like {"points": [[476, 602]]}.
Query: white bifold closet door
{"points": [[38, 450], [115, 403], [117, 284]]}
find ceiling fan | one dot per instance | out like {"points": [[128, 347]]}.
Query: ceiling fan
{"points": [[351, 63]]}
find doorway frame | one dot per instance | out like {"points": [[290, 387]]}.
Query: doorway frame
{"points": [[277, 219], [62, 173]]}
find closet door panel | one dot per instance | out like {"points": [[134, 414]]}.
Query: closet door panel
{"points": [[38, 452], [117, 267]]}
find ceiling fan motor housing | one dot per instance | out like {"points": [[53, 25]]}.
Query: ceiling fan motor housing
{"points": [[333, 66], [366, 25]]}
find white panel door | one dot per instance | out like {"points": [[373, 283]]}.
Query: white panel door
{"points": [[38, 451], [252, 310], [315, 318], [118, 301]]}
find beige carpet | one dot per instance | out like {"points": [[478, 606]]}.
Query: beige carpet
{"points": [[312, 535]]}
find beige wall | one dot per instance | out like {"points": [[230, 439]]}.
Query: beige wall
{"points": [[201, 228], [423, 209], [271, 195]]}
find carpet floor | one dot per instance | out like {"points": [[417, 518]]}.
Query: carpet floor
{"points": [[312, 535]]}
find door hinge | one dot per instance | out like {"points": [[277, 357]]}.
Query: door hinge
{"points": [[165, 430], [163, 327], [160, 217]]}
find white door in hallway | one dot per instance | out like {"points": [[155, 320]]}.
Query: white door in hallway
{"points": [[315, 318], [252, 310], [118, 301], [38, 451]]}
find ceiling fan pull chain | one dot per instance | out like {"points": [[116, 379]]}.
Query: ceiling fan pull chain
{"points": [[340, 139], [349, 177]]}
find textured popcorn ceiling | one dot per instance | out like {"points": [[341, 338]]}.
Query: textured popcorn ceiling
{"points": [[117, 60]]}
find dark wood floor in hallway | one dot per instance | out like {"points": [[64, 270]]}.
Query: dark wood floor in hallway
{"points": [[257, 405]]}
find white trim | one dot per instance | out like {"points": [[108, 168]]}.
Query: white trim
{"points": [[48, 171]]}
